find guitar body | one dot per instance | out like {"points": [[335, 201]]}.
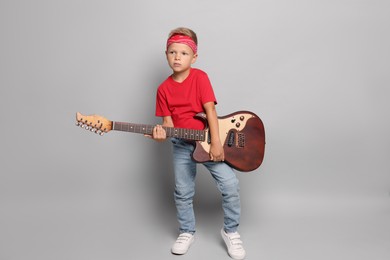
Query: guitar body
{"points": [[243, 137]]}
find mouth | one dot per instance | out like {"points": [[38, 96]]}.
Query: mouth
{"points": [[176, 64]]}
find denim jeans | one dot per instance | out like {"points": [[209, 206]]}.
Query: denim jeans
{"points": [[185, 172]]}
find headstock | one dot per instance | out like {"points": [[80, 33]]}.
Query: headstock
{"points": [[94, 123]]}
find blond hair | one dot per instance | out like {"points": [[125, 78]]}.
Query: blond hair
{"points": [[184, 31]]}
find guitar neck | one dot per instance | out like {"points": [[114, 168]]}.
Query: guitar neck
{"points": [[183, 133]]}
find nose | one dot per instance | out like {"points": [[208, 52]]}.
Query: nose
{"points": [[177, 56]]}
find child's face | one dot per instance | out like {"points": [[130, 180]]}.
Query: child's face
{"points": [[180, 57]]}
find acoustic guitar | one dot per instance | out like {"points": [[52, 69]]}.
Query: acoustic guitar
{"points": [[242, 135]]}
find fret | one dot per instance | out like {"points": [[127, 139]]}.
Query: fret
{"points": [[150, 129], [139, 129], [170, 131]]}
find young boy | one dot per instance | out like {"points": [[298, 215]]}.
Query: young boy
{"points": [[180, 97]]}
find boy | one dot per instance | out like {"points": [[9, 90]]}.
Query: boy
{"points": [[180, 97]]}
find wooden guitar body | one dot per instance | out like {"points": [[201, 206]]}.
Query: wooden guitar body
{"points": [[243, 138]]}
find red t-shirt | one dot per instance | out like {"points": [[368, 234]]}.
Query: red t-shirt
{"points": [[182, 101]]}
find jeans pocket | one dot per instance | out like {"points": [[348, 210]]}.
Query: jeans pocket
{"points": [[174, 140]]}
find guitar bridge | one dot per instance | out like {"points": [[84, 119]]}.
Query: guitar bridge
{"points": [[240, 140]]}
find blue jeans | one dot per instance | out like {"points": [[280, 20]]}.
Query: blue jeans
{"points": [[185, 172]]}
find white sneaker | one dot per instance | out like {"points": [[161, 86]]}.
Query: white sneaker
{"points": [[234, 245], [182, 244]]}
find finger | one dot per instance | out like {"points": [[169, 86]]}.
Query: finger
{"points": [[159, 128], [154, 131]]}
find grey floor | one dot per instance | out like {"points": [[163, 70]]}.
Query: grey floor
{"points": [[104, 225]]}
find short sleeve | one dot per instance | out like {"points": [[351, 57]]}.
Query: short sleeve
{"points": [[206, 89], [161, 104]]}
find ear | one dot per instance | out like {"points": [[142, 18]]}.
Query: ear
{"points": [[194, 58], [166, 55]]}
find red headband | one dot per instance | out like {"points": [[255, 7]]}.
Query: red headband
{"points": [[178, 38]]}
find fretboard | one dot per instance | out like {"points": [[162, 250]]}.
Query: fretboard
{"points": [[184, 133]]}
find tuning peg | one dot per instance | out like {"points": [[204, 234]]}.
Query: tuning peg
{"points": [[77, 123], [93, 130], [87, 127], [102, 133]]}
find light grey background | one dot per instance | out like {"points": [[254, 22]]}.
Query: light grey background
{"points": [[316, 72]]}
